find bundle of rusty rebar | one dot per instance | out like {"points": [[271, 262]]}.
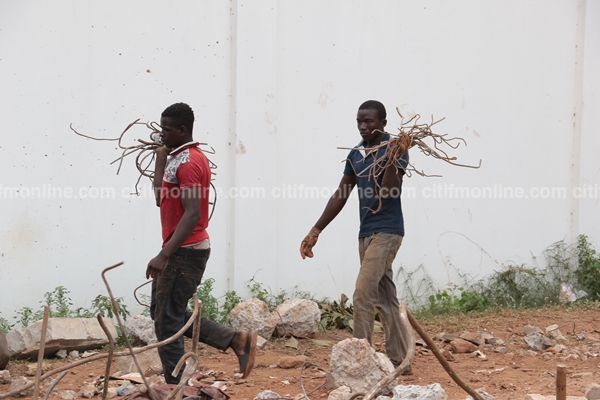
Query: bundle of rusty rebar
{"points": [[145, 150], [411, 133]]}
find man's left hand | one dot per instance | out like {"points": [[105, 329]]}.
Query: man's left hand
{"points": [[156, 266]]}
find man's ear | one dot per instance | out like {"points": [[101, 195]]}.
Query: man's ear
{"points": [[183, 130], [384, 122]]}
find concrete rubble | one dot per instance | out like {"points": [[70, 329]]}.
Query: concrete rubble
{"points": [[148, 360], [20, 382], [62, 333], [593, 392], [141, 330], [253, 314], [355, 364], [341, 393], [298, 317], [429, 392], [267, 395], [5, 377]]}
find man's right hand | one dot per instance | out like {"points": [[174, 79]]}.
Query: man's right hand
{"points": [[308, 242], [162, 151]]}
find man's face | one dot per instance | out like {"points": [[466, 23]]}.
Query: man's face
{"points": [[171, 134], [369, 124]]}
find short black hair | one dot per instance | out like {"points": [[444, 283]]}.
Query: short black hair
{"points": [[181, 114], [374, 105]]}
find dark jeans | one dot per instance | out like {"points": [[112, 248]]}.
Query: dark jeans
{"points": [[170, 295]]}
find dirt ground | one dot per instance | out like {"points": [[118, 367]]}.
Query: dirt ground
{"points": [[508, 375]]}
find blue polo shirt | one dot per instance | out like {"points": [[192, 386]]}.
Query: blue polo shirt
{"points": [[389, 218]]}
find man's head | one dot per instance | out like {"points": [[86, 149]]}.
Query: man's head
{"points": [[177, 123], [371, 121]]}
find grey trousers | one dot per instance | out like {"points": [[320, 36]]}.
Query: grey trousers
{"points": [[375, 291]]}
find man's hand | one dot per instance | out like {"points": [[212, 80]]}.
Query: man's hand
{"points": [[308, 242], [162, 151], [156, 266]]}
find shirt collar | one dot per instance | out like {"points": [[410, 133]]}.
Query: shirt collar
{"points": [[172, 153], [361, 145]]}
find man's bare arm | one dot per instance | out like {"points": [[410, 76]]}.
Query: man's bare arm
{"points": [[332, 209], [190, 200]]}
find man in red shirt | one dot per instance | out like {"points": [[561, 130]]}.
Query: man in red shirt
{"points": [[182, 184]]}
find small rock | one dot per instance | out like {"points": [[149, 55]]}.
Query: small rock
{"points": [[111, 393], [341, 393], [531, 353], [261, 342], [87, 354], [532, 329], [581, 374], [462, 346], [291, 361], [62, 354], [31, 369], [485, 395], [87, 391], [67, 394], [472, 337], [141, 330], [73, 354], [500, 350], [593, 392], [538, 342], [20, 382], [447, 355], [429, 392], [4, 377], [559, 348], [266, 395]]}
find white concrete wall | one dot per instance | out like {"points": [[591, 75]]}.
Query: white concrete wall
{"points": [[275, 86]]}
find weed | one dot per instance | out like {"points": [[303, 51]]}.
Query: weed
{"points": [[588, 267], [5, 326], [210, 305]]}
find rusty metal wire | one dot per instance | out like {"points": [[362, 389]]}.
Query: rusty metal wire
{"points": [[411, 133], [145, 150]]}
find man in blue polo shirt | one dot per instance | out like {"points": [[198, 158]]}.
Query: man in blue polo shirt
{"points": [[381, 230]]}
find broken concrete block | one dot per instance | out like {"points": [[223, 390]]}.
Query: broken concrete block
{"points": [[429, 392], [4, 353], [4, 377], [341, 393], [73, 354], [298, 317], [266, 395], [253, 314], [462, 346], [592, 392], [147, 359], [62, 333], [538, 342], [20, 382], [472, 337], [62, 354], [354, 363], [141, 330]]}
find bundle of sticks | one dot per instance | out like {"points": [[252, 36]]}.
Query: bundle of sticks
{"points": [[411, 133], [145, 149]]}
